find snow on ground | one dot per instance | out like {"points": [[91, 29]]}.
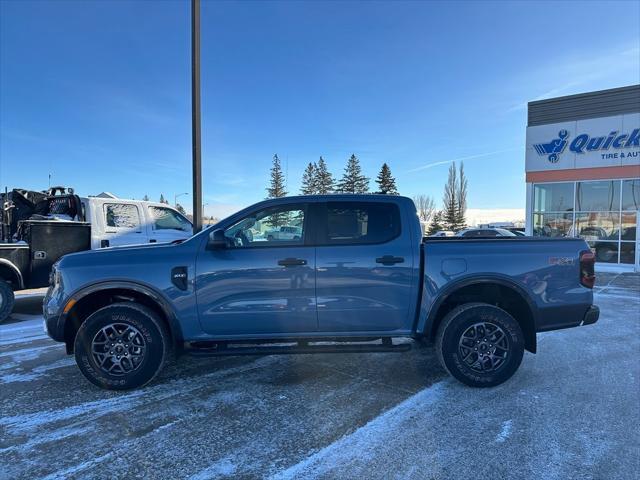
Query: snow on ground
{"points": [[565, 414]]}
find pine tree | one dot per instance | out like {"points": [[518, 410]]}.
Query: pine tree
{"points": [[309, 180], [145, 198], [436, 223], [180, 208], [162, 200], [449, 201], [353, 181], [276, 187], [386, 182], [461, 200], [324, 179]]}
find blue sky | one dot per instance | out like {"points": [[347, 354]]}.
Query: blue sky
{"points": [[98, 92]]}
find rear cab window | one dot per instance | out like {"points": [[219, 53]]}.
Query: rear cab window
{"points": [[121, 216], [360, 223]]}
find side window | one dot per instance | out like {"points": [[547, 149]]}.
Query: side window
{"points": [[361, 222], [168, 219], [121, 215], [275, 226]]}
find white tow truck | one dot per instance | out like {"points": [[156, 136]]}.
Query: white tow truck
{"points": [[38, 228]]}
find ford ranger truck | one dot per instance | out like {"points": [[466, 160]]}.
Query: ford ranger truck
{"points": [[359, 277]]}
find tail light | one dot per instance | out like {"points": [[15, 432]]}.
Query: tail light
{"points": [[587, 268]]}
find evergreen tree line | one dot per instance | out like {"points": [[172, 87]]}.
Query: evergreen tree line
{"points": [[318, 180]]}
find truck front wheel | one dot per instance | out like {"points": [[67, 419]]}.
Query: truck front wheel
{"points": [[121, 346], [7, 300], [480, 344]]}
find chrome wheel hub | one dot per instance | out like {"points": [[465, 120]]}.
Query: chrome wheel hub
{"points": [[118, 348]]}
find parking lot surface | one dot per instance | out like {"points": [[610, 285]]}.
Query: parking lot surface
{"points": [[571, 411]]}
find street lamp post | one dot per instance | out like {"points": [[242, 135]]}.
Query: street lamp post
{"points": [[195, 116], [175, 198]]}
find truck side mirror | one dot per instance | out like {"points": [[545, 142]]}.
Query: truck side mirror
{"points": [[217, 240]]}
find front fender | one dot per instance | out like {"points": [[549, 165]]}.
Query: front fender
{"points": [[139, 288]]}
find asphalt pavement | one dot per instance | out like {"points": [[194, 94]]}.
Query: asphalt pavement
{"points": [[571, 411]]}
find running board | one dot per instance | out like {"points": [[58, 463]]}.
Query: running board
{"points": [[206, 349]]}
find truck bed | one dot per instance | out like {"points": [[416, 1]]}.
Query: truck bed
{"points": [[544, 270]]}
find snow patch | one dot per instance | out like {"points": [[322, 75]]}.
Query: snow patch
{"points": [[505, 432], [68, 472], [28, 353], [32, 324], [37, 372], [223, 467], [22, 338], [362, 440]]}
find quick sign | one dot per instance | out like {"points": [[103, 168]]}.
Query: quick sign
{"points": [[584, 143], [600, 142]]}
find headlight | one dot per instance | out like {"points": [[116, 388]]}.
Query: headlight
{"points": [[54, 275]]}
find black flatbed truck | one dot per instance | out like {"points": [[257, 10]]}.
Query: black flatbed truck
{"points": [[38, 228]]}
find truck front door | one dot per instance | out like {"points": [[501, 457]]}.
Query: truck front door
{"points": [[364, 268], [259, 284], [167, 225]]}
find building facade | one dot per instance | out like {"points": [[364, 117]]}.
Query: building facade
{"points": [[583, 173]]}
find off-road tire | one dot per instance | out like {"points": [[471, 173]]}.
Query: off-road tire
{"points": [[146, 322], [7, 299], [457, 322]]}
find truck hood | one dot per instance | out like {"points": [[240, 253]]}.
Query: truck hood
{"points": [[123, 254]]}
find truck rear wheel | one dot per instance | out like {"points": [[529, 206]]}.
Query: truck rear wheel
{"points": [[480, 344], [121, 346], [7, 299]]}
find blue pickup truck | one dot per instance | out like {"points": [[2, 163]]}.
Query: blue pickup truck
{"points": [[359, 276]]}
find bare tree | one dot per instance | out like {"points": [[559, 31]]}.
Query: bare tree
{"points": [[450, 200], [461, 199], [426, 206]]}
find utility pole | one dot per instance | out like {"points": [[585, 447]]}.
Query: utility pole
{"points": [[195, 116]]}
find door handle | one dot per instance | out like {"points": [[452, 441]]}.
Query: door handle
{"points": [[153, 240], [291, 262], [389, 260]]}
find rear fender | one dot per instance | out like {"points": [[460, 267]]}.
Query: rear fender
{"points": [[427, 321]]}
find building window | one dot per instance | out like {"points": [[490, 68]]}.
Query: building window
{"points": [[553, 209], [604, 213], [553, 197], [598, 196], [631, 195]]}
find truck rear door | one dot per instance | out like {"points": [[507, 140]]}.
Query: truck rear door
{"points": [[123, 224], [364, 261]]}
